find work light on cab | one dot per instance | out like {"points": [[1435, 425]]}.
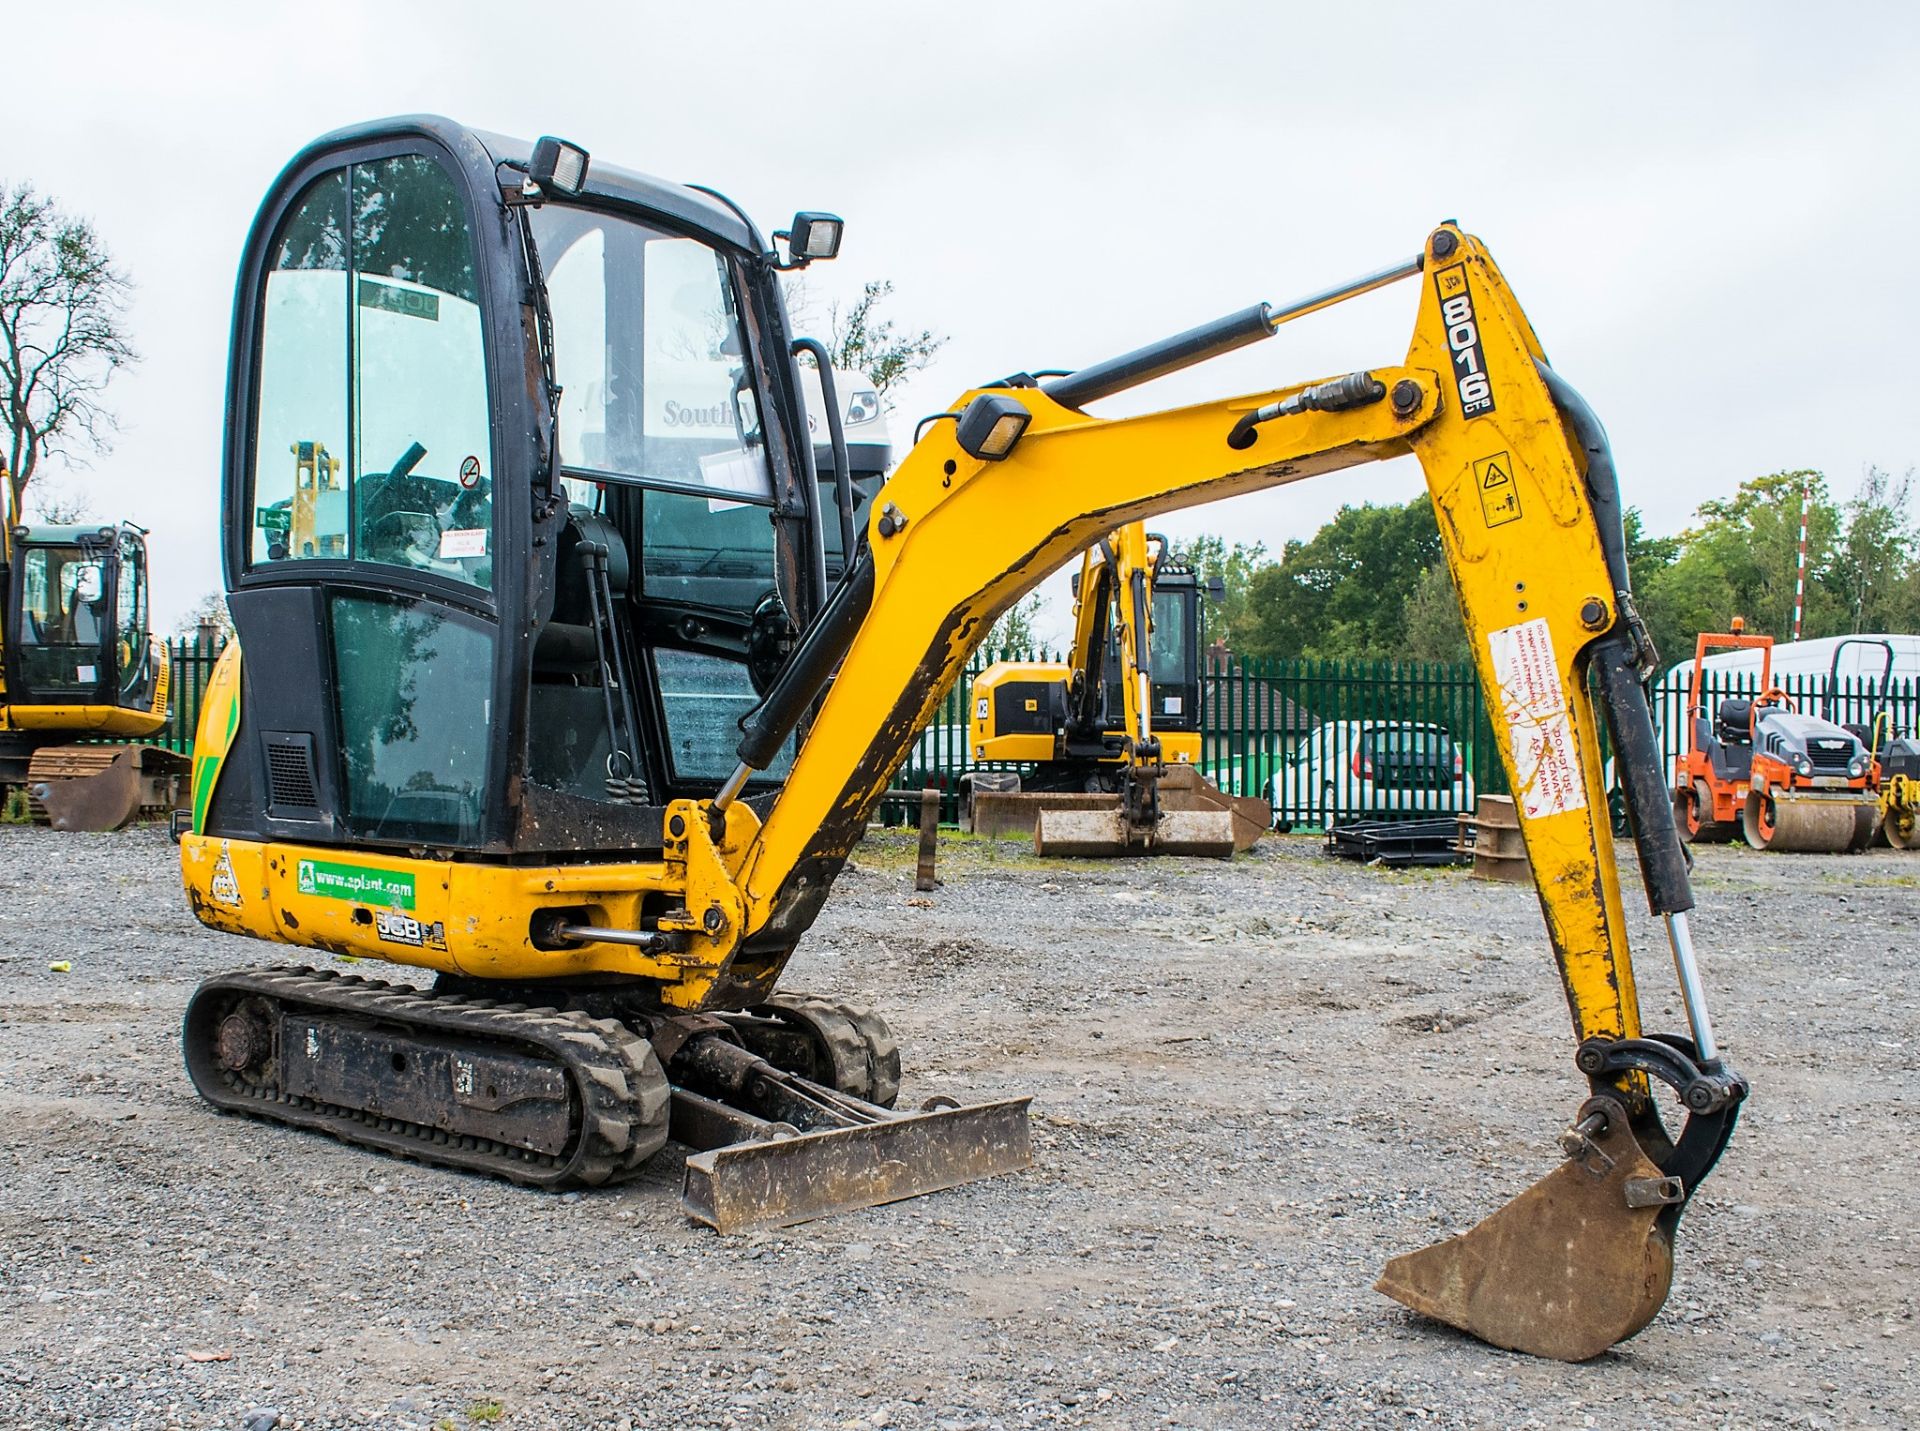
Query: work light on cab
{"points": [[991, 425], [557, 167]]}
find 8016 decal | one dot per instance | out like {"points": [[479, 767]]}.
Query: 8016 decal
{"points": [[1463, 341]]}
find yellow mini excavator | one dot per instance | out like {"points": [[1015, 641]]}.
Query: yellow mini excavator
{"points": [[1113, 732], [76, 661], [554, 698]]}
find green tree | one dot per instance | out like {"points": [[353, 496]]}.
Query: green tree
{"points": [[1235, 563], [1013, 631], [1648, 557], [1344, 592], [1875, 572], [1740, 559], [864, 342], [1431, 621], [62, 338]]}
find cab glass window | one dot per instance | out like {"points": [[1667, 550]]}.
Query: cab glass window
{"points": [[300, 420], [130, 612], [705, 698], [372, 431], [1169, 656], [64, 598], [414, 690], [657, 392], [64, 619]]}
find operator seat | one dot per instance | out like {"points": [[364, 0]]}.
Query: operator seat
{"points": [[1730, 750]]}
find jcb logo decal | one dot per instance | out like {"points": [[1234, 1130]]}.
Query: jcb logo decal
{"points": [[1463, 341]]}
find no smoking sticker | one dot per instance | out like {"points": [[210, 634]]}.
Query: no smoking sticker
{"points": [[1534, 702]]}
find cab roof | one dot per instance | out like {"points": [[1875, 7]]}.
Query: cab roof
{"points": [[70, 534], [606, 182]]}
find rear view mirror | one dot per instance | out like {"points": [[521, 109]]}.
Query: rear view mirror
{"points": [[1216, 589]]}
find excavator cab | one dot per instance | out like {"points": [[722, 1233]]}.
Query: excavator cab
{"points": [[521, 513], [1111, 737], [79, 654], [1173, 664], [79, 660]]}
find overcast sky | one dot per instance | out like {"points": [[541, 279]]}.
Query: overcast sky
{"points": [[1708, 211]]}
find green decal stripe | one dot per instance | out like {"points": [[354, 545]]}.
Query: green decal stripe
{"points": [[362, 884], [205, 768]]}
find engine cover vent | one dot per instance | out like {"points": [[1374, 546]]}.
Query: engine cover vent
{"points": [[293, 786]]}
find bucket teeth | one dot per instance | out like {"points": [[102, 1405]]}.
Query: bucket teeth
{"points": [[1565, 1270]]}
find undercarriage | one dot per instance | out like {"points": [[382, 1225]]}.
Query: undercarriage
{"points": [[788, 1106]]}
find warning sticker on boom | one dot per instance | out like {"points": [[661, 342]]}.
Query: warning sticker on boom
{"points": [[1463, 341], [1499, 498], [1534, 702]]}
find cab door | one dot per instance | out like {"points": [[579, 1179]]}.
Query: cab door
{"points": [[363, 534], [135, 659]]}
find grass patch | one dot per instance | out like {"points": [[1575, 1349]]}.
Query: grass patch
{"points": [[16, 811], [485, 1411]]}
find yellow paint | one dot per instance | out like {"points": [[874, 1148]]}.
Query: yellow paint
{"points": [[86, 719]]}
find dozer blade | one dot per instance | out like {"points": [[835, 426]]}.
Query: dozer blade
{"points": [[1100, 834], [1573, 1265], [785, 1177], [85, 787]]}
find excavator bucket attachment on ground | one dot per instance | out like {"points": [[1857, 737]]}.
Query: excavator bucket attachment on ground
{"points": [[1196, 818], [98, 790], [1184, 788], [101, 787], [779, 1178], [1579, 1261]]}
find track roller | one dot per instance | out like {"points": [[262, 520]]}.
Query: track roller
{"points": [[845, 1046]]}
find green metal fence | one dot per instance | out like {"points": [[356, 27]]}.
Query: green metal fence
{"points": [[1388, 739], [1350, 739]]}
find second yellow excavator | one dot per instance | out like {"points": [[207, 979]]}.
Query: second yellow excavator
{"points": [[524, 711], [1111, 737], [79, 669]]}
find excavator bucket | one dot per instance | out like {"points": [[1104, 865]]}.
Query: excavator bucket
{"points": [[1578, 1262], [94, 788], [1184, 788], [101, 787]]}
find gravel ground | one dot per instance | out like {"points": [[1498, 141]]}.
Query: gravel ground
{"points": [[1253, 1082]]}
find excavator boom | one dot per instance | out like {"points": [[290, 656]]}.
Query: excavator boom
{"points": [[660, 961]]}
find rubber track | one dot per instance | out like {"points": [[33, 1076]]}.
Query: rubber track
{"points": [[869, 1044], [621, 1093]]}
